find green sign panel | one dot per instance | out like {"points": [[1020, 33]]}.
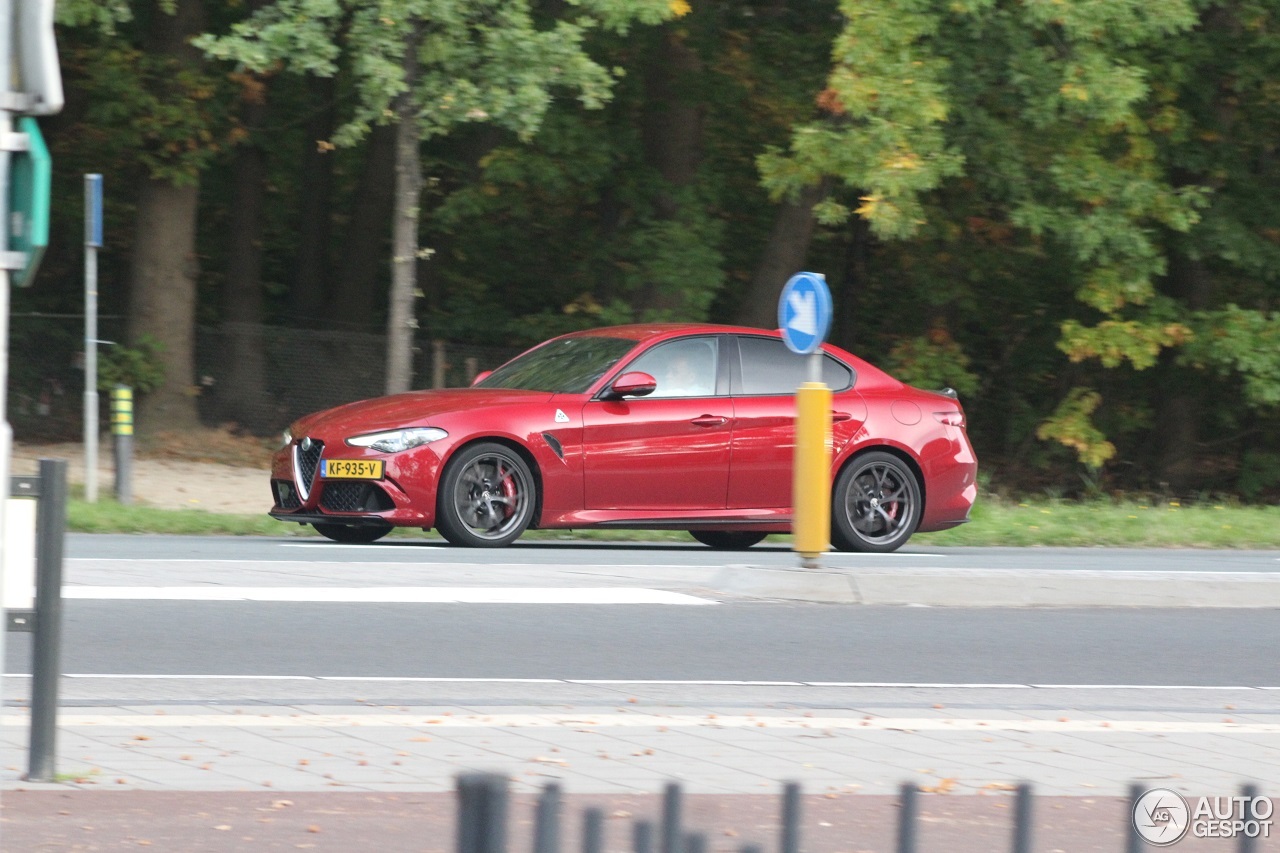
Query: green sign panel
{"points": [[30, 178]]}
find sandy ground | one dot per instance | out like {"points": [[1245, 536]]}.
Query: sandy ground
{"points": [[164, 483]]}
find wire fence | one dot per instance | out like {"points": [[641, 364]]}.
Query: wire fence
{"points": [[296, 370], [483, 818]]}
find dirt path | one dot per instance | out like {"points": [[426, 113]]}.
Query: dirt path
{"points": [[166, 483]]}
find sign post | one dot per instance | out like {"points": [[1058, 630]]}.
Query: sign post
{"points": [[804, 316], [92, 242]]}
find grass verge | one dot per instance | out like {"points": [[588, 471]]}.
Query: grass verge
{"points": [[994, 523]]}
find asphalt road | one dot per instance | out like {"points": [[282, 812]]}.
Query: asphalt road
{"points": [[142, 647]]}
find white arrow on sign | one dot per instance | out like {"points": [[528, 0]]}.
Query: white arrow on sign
{"points": [[804, 312]]}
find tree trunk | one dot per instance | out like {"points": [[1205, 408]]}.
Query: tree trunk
{"points": [[784, 256], [401, 320], [672, 135], [1178, 413], [162, 301], [315, 201], [352, 300], [242, 388], [162, 284]]}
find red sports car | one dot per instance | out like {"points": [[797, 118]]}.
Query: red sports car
{"points": [[673, 426]]}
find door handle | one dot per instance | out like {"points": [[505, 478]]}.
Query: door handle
{"points": [[708, 421], [837, 417]]}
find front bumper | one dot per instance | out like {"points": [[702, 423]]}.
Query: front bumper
{"points": [[405, 497]]}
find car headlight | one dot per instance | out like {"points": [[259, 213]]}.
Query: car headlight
{"points": [[286, 438], [397, 440]]}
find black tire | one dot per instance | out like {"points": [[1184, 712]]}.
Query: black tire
{"points": [[486, 497], [352, 533], [727, 540], [875, 504]]}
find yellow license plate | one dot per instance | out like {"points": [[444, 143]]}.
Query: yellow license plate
{"points": [[351, 469]]}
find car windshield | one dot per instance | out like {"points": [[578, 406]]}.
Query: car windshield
{"points": [[565, 366]]}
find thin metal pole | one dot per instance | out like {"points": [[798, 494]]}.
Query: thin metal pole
{"points": [[1022, 820], [482, 813], [642, 837], [1134, 842], [791, 818], [6, 432], [1248, 843], [546, 821], [670, 841], [593, 831], [90, 372], [907, 819], [51, 525]]}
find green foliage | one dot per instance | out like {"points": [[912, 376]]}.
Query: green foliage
{"points": [[1242, 342], [488, 61], [932, 361], [140, 367], [1072, 425]]}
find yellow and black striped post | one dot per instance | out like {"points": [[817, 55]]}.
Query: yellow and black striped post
{"points": [[122, 429]]}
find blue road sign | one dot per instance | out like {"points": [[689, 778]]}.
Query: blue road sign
{"points": [[804, 312], [93, 211]]}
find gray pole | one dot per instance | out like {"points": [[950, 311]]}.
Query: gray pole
{"points": [[51, 525], [92, 240], [6, 125]]}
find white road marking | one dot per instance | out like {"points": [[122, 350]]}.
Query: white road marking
{"points": [[616, 720], [389, 594], [649, 682]]}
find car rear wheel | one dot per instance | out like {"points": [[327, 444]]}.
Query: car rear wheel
{"points": [[486, 498], [875, 505], [351, 533], [727, 540]]}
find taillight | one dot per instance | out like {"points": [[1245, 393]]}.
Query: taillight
{"points": [[955, 419]]}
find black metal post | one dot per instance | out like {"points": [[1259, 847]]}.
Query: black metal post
{"points": [[1134, 843], [482, 813], [51, 526], [907, 819], [1022, 820], [546, 826], [642, 837], [791, 818], [671, 841], [1248, 843], [593, 831]]}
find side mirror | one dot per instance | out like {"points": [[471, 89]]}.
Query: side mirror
{"points": [[480, 377], [633, 384]]}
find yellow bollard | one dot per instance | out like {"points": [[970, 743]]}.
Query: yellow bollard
{"points": [[811, 473], [122, 410]]}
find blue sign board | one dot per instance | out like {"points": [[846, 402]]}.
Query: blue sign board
{"points": [[804, 312], [93, 211]]}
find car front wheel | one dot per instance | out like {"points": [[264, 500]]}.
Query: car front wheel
{"points": [[875, 505], [486, 497], [351, 533]]}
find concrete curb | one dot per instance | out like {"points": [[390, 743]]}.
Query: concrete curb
{"points": [[1003, 587]]}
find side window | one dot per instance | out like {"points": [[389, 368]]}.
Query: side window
{"points": [[768, 367], [685, 368]]}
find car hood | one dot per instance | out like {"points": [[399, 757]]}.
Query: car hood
{"points": [[416, 408]]}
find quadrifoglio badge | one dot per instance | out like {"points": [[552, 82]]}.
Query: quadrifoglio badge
{"points": [[1163, 817]]}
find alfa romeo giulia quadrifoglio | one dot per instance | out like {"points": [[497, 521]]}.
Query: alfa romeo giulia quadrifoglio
{"points": [[662, 427]]}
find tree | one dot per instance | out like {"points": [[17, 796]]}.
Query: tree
{"points": [[429, 66], [1042, 113]]}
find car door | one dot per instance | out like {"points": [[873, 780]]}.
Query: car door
{"points": [[764, 378], [668, 451]]}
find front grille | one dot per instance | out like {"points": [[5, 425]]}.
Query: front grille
{"points": [[286, 496], [355, 497], [307, 462]]}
